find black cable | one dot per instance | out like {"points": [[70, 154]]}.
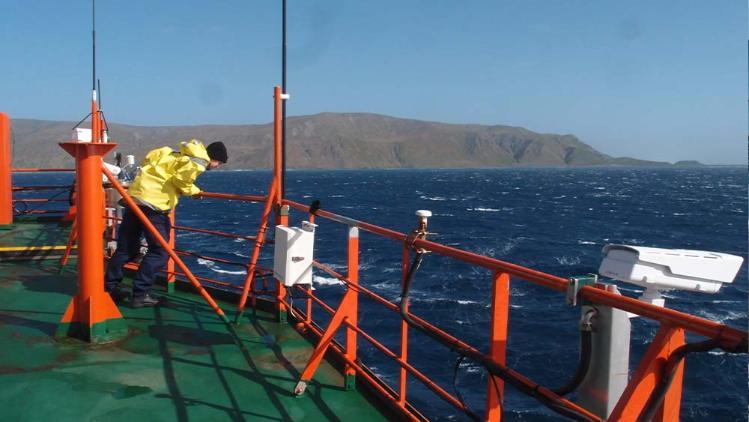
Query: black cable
{"points": [[81, 121], [468, 411], [668, 373], [586, 346], [492, 367], [26, 209]]}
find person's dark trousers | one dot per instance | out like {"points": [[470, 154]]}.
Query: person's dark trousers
{"points": [[128, 246]]}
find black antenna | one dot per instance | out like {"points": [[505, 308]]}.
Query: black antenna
{"points": [[98, 91], [93, 38], [283, 103]]}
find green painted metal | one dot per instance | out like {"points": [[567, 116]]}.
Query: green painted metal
{"points": [[101, 332], [177, 361]]}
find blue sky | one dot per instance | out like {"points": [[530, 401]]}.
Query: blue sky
{"points": [[663, 80]]}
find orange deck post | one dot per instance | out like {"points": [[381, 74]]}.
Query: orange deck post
{"points": [[352, 317], [498, 343], [6, 188], [91, 314], [647, 376], [403, 379], [282, 211]]}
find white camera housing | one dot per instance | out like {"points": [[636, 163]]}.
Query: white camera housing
{"points": [[667, 269]]}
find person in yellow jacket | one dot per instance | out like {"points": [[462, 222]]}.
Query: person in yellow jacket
{"points": [[164, 176]]}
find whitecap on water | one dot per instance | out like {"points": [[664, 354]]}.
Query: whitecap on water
{"points": [[481, 209], [326, 281], [566, 260], [433, 198]]}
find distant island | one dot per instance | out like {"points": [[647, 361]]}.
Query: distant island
{"points": [[338, 141]]}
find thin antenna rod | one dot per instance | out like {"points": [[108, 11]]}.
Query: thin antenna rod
{"points": [[98, 91], [93, 38], [283, 102]]}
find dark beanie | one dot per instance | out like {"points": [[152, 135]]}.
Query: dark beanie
{"points": [[217, 151]]}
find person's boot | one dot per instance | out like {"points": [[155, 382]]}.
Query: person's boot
{"points": [[117, 294], [144, 301]]}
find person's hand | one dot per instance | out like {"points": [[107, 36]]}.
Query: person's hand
{"points": [[197, 196]]}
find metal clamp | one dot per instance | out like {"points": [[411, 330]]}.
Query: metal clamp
{"points": [[575, 284]]}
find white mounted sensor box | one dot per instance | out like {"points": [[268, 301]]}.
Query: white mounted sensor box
{"points": [[293, 254], [668, 269]]}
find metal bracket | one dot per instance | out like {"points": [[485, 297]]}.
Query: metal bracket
{"points": [[575, 284]]}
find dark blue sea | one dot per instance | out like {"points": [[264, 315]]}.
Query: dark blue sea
{"points": [[553, 220]]}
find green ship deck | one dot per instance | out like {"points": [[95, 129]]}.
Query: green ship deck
{"points": [[179, 361]]}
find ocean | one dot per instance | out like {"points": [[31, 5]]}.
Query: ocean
{"points": [[553, 220]]}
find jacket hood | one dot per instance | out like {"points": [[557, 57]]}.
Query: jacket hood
{"points": [[195, 149]]}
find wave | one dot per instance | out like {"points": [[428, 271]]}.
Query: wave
{"points": [[433, 198], [326, 281], [481, 209], [565, 260], [215, 268], [721, 317]]}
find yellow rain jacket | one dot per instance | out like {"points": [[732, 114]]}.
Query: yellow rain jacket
{"points": [[165, 174]]}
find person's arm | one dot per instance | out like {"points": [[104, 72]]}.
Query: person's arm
{"points": [[184, 178]]}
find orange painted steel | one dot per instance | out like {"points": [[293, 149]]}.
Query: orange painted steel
{"points": [[646, 377], [352, 318], [196, 230], [92, 305], [40, 200], [498, 343], [378, 385], [347, 311], [729, 336], [164, 244], [403, 375], [6, 187], [259, 241], [233, 196], [538, 277], [409, 368], [278, 164], [692, 323], [213, 233], [34, 188], [69, 244], [277, 136], [45, 170], [387, 352]]}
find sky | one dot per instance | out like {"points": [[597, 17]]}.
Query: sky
{"points": [[659, 80]]}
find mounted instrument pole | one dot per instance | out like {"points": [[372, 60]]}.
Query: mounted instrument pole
{"points": [[91, 314]]}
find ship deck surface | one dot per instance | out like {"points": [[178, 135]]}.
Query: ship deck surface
{"points": [[178, 362]]}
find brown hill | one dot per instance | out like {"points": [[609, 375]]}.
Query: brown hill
{"points": [[334, 140]]}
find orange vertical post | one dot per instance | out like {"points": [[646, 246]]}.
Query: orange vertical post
{"points": [[282, 212], [404, 335], [91, 314], [6, 183], [353, 278], [647, 376], [498, 343], [170, 276]]}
